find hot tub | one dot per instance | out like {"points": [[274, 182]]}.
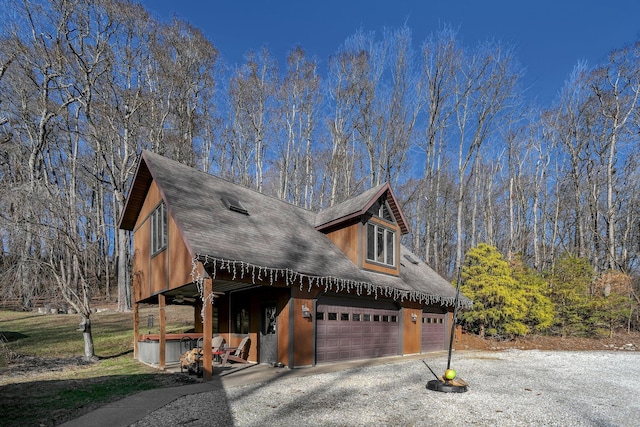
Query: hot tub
{"points": [[175, 346]]}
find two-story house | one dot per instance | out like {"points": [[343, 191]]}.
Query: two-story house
{"points": [[306, 287]]}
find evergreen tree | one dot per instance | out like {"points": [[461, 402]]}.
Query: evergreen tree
{"points": [[540, 309], [499, 304], [570, 281]]}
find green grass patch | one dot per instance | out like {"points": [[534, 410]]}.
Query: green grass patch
{"points": [[43, 380]]}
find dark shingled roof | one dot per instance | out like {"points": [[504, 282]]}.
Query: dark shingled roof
{"points": [[274, 234]]}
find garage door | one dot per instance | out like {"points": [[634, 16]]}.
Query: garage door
{"points": [[346, 332], [433, 332]]}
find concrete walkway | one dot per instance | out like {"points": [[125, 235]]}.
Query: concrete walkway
{"points": [[130, 409]]}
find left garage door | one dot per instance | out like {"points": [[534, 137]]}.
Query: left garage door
{"points": [[345, 332]]}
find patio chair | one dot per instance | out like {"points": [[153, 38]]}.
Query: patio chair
{"points": [[216, 343], [240, 354]]}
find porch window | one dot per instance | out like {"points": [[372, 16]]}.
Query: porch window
{"points": [[159, 229], [242, 321], [380, 244]]}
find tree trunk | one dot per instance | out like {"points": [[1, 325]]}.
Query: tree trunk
{"points": [[124, 290], [85, 328]]}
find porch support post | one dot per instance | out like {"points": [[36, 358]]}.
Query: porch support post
{"points": [[163, 331], [207, 332], [136, 329]]}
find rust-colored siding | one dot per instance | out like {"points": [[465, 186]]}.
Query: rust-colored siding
{"points": [[411, 329], [303, 328], [144, 281], [165, 270], [181, 260], [151, 201], [347, 239], [159, 272], [141, 262]]}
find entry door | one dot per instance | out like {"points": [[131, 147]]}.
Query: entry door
{"points": [[269, 335]]}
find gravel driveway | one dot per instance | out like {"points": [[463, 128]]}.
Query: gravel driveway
{"points": [[510, 388]]}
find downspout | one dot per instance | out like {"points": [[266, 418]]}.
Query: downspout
{"points": [[291, 352]]}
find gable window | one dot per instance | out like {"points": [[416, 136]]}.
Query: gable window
{"points": [[159, 229], [380, 244], [381, 210]]}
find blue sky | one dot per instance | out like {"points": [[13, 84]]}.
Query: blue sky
{"points": [[549, 37]]}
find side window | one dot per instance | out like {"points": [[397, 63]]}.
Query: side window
{"points": [[159, 229]]}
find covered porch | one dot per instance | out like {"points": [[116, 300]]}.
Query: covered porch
{"points": [[231, 309]]}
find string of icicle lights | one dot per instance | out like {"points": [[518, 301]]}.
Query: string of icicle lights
{"points": [[241, 270]]}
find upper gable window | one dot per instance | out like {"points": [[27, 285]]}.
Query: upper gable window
{"points": [[381, 210], [159, 229], [381, 239]]}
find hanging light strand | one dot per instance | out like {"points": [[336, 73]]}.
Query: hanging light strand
{"points": [[260, 274]]}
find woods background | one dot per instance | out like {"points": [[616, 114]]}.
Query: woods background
{"points": [[85, 85]]}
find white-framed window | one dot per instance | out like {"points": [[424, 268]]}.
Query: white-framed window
{"points": [[381, 242], [159, 229]]}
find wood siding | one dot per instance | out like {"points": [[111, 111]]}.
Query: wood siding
{"points": [[150, 203], [180, 259], [142, 262], [411, 329], [303, 327], [347, 239], [159, 272], [169, 269]]}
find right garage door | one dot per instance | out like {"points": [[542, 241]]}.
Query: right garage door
{"points": [[433, 332], [347, 332]]}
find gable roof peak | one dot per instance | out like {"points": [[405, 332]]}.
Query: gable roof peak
{"points": [[358, 206]]}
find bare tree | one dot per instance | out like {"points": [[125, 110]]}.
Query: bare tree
{"points": [[617, 88], [347, 69], [484, 89], [251, 92], [441, 55], [299, 100]]}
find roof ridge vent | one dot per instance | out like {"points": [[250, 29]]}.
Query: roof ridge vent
{"points": [[234, 204]]}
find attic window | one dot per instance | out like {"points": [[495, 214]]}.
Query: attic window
{"points": [[381, 210], [235, 205]]}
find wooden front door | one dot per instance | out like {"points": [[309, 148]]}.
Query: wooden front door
{"points": [[269, 334]]}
